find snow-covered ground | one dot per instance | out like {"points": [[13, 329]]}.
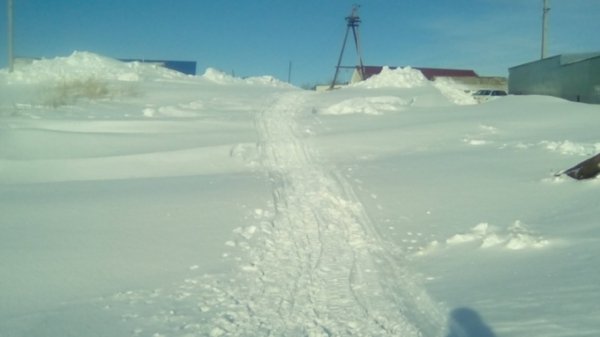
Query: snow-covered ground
{"points": [[136, 201]]}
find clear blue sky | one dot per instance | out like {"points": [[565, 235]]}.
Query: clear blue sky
{"points": [[258, 37]]}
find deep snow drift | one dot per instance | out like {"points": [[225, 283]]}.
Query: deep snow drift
{"points": [[136, 201]]}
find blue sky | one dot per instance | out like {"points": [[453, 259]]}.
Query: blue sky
{"points": [[258, 37]]}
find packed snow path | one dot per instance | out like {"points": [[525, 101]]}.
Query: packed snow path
{"points": [[314, 266], [320, 269]]}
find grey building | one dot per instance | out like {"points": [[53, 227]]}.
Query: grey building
{"points": [[575, 77]]}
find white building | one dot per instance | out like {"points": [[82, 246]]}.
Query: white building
{"points": [[575, 77]]}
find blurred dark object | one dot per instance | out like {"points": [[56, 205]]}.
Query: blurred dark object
{"points": [[587, 169]]}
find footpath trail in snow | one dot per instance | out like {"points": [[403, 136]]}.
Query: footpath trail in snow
{"points": [[315, 265], [320, 269]]}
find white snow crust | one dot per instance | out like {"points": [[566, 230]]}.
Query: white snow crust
{"points": [[136, 201]]}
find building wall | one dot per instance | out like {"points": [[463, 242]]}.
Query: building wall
{"points": [[577, 81], [535, 78], [595, 77]]}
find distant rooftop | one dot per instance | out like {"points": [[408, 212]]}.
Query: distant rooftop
{"points": [[574, 58], [566, 59]]}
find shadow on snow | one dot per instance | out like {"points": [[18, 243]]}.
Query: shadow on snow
{"points": [[466, 322]]}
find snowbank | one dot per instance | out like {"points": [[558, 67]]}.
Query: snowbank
{"points": [[84, 66], [219, 77], [407, 78], [368, 105], [82, 75], [394, 78], [454, 91]]}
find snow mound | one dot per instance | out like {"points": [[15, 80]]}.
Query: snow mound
{"points": [[267, 81], [394, 78], [515, 237], [367, 105], [219, 77], [454, 91], [568, 147], [81, 76], [408, 77], [81, 66]]}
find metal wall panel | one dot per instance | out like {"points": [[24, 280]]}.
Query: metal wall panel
{"points": [[558, 76]]}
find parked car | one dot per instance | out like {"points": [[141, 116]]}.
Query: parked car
{"points": [[488, 94]]}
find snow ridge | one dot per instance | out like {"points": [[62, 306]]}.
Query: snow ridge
{"points": [[85, 65], [319, 269]]}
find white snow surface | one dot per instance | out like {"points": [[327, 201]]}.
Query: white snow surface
{"points": [[406, 77], [220, 77], [85, 65], [136, 201]]}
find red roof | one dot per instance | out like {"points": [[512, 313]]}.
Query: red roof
{"points": [[429, 73]]}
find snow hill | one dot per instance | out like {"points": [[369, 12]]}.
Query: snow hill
{"points": [[137, 201]]}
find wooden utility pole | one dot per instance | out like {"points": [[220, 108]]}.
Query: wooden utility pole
{"points": [[546, 9], [11, 58], [352, 24]]}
